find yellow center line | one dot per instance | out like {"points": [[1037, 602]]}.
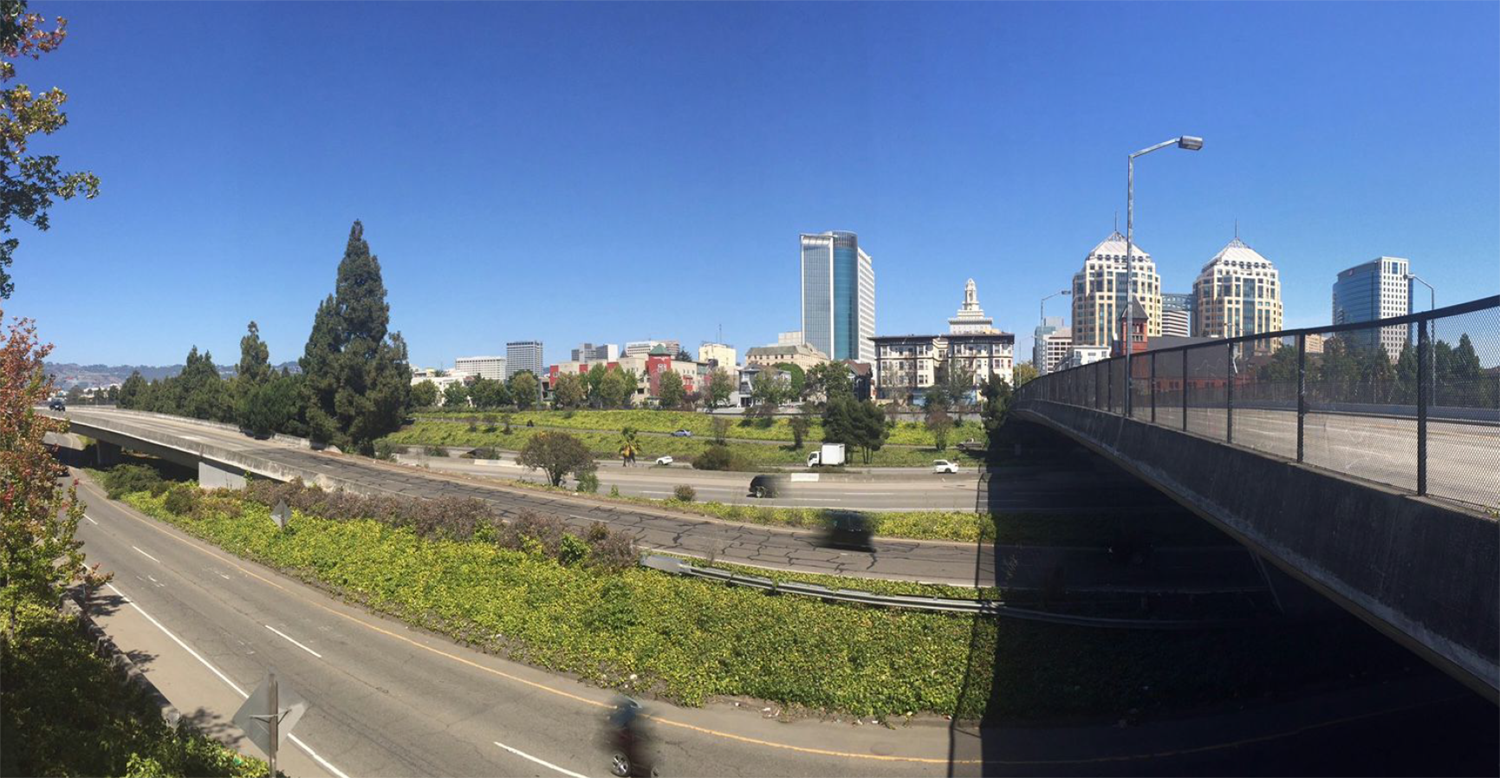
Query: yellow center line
{"points": [[768, 743]]}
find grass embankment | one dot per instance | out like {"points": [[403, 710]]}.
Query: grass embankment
{"points": [[685, 640], [69, 711], [906, 433], [606, 445]]}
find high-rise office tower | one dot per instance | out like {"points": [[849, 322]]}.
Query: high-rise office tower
{"points": [[1099, 292], [1176, 314], [1378, 289], [1237, 293], [523, 355], [838, 296]]}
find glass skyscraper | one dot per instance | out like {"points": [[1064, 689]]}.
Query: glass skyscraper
{"points": [[1377, 289], [838, 296]]}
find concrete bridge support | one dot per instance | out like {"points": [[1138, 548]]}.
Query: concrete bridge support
{"points": [[215, 476]]}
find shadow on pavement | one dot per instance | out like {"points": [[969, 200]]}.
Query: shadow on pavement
{"points": [[1308, 690]]}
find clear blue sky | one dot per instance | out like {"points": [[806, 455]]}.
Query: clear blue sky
{"points": [[612, 172]]}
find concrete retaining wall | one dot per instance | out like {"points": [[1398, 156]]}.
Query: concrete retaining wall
{"points": [[1422, 570]]}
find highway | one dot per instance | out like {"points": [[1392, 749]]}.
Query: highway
{"points": [[1092, 486], [388, 700], [920, 490]]}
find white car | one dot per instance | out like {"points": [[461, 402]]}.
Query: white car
{"points": [[663, 460], [944, 466]]}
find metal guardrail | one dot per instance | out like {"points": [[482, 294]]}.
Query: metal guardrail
{"points": [[1257, 392], [980, 607]]}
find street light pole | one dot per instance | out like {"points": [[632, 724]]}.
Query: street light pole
{"points": [[1190, 143], [1042, 308], [1432, 339]]}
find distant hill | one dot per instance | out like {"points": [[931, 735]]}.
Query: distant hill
{"points": [[66, 375]]}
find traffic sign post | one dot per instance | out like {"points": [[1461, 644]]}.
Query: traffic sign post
{"points": [[268, 714], [281, 514]]}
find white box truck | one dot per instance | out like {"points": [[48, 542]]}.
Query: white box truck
{"points": [[829, 454]]}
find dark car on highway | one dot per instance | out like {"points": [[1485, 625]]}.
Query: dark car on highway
{"points": [[767, 485], [57, 405], [848, 529]]}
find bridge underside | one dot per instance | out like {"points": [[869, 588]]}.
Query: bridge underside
{"points": [[1425, 572]]}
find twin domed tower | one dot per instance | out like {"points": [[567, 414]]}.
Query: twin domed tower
{"points": [[1238, 292]]}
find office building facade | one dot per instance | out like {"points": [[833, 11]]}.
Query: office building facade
{"points": [[1052, 345], [1237, 293], [1378, 289], [719, 354], [1176, 314], [523, 355], [492, 368], [838, 296], [588, 352], [906, 366], [1099, 292], [793, 338]]}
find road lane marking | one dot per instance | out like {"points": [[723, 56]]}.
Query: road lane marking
{"points": [[91, 520], [237, 690], [542, 762], [294, 642], [148, 556]]}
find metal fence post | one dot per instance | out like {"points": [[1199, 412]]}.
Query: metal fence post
{"points": [[1109, 387], [1153, 387], [1301, 392], [1184, 353], [1424, 344], [1229, 395]]}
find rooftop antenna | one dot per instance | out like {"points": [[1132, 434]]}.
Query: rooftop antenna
{"points": [[1236, 229], [1117, 221]]}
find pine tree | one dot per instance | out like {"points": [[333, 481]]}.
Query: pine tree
{"points": [[357, 379]]}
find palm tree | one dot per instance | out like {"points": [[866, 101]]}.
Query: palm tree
{"points": [[630, 446]]}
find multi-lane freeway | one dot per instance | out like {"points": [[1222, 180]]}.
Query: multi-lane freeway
{"points": [[962, 564]]}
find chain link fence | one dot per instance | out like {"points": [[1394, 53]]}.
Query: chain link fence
{"points": [[1412, 402]]}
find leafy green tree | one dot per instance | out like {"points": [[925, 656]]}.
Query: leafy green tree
{"points": [[767, 390], [270, 405], [721, 429], [74, 395], [1281, 367], [720, 387], [557, 454], [617, 388], [424, 394], [356, 376], [30, 181], [997, 395], [858, 424], [800, 425], [38, 513], [1023, 372], [798, 381], [252, 372], [569, 391], [488, 393], [829, 380], [669, 392], [593, 382], [202, 393], [939, 423], [131, 390], [524, 389], [455, 396]]}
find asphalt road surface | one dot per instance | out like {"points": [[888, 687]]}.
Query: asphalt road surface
{"points": [[1098, 486], [384, 699]]}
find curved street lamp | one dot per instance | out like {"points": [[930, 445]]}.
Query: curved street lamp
{"points": [[1190, 143]]}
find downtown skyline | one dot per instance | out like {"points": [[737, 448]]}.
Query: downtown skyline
{"points": [[489, 230]]}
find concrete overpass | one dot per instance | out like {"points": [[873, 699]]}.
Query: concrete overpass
{"points": [[1343, 502]]}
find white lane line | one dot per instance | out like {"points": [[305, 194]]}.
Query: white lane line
{"points": [[237, 690], [91, 519], [542, 762], [153, 578], [178, 641], [148, 556], [294, 642]]}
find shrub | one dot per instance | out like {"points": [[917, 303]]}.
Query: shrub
{"points": [[181, 500], [546, 531], [435, 451], [715, 457], [588, 482], [124, 479], [597, 531], [616, 552], [684, 493], [485, 452], [614, 491], [384, 449], [473, 424], [489, 423], [572, 550]]}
